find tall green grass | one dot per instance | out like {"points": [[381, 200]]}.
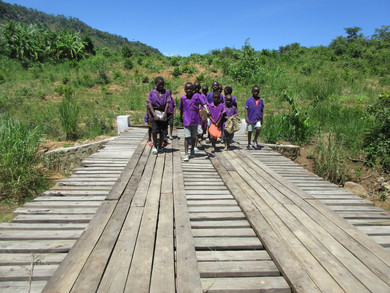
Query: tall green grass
{"points": [[21, 171]]}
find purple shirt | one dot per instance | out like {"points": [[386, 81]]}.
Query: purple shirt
{"points": [[255, 112], [216, 112], [210, 98], [190, 109], [171, 106], [232, 111], [157, 100]]}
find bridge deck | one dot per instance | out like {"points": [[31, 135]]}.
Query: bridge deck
{"points": [[218, 223]]}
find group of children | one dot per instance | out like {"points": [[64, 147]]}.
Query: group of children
{"points": [[200, 113]]}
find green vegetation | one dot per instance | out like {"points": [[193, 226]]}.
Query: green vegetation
{"points": [[335, 97], [21, 172]]}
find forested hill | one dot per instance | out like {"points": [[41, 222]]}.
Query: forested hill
{"points": [[9, 12]]}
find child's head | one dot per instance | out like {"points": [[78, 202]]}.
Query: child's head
{"points": [[189, 89], [216, 97], [228, 90], [228, 100], [159, 83], [205, 89], [220, 88], [215, 86], [197, 86], [256, 91]]}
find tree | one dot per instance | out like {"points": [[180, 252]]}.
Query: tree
{"points": [[352, 33]]}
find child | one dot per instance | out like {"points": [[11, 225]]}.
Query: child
{"points": [[254, 108], [171, 116], [230, 110], [189, 106], [203, 126], [149, 122], [158, 101], [228, 91], [205, 90], [217, 111], [215, 86]]}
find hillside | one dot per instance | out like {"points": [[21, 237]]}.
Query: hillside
{"points": [[9, 12]]}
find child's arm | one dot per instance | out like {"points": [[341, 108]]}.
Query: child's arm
{"points": [[246, 115], [163, 118]]}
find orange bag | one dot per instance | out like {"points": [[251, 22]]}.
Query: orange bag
{"points": [[214, 131]]}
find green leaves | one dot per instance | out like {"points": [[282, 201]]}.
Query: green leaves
{"points": [[31, 43]]}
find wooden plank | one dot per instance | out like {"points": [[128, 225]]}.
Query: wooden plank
{"points": [[213, 209], [217, 216], [354, 266], [220, 224], [163, 274], [141, 267], [22, 286], [115, 275], [37, 235], [187, 272], [36, 246], [237, 269], [227, 232], [254, 284], [227, 243], [280, 252], [24, 273], [66, 274], [123, 180], [28, 258], [42, 226], [53, 218], [364, 256], [93, 269], [232, 255]]}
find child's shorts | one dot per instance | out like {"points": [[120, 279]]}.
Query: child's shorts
{"points": [[191, 131], [252, 126]]}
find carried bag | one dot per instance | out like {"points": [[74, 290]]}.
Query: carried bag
{"points": [[214, 131], [159, 113], [233, 124]]}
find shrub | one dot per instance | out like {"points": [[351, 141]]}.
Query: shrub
{"points": [[127, 51], [21, 172], [128, 64], [377, 139], [176, 72], [329, 160], [69, 115]]}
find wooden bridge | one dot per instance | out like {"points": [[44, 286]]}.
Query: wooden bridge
{"points": [[237, 221]]}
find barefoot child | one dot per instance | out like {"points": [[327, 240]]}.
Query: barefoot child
{"points": [[149, 122], [201, 130], [171, 116], [158, 101], [189, 115], [217, 111], [230, 110], [254, 108]]}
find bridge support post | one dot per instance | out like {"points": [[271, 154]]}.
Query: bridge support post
{"points": [[123, 122]]}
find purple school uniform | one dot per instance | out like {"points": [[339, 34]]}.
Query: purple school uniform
{"points": [[232, 111], [216, 112], [171, 106], [210, 98], [190, 109], [158, 101], [255, 112]]}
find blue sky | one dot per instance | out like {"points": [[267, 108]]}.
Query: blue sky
{"points": [[185, 27]]}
